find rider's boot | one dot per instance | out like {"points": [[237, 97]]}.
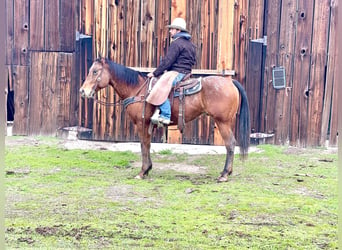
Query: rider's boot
{"points": [[155, 116]]}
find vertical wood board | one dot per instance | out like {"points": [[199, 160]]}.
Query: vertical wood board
{"points": [[51, 25], [10, 31], [21, 34], [37, 16], [272, 60], [318, 64], [20, 75], [67, 26], [225, 35], [286, 54], [301, 74]]}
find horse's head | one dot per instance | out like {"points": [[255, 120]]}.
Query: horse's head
{"points": [[98, 78]]}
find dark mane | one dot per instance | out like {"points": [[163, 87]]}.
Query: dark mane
{"points": [[123, 73]]}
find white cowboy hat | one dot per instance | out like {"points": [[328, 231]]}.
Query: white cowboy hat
{"points": [[178, 23]]}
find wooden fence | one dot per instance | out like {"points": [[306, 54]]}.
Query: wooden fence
{"points": [[48, 60]]}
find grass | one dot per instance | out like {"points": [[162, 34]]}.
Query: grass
{"points": [[281, 198]]}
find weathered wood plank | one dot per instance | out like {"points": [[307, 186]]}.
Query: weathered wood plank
{"points": [[67, 92], [51, 29], [20, 76], [146, 34], [225, 34], [329, 108], [240, 39], [117, 53], [192, 14], [10, 31], [99, 39], [272, 60], [36, 93], [318, 64], [334, 123], [203, 43], [178, 9], [37, 17], [132, 20], [256, 19], [301, 74], [286, 49], [67, 26], [161, 33], [43, 94], [21, 34], [88, 16]]}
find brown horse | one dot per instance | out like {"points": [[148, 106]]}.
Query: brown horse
{"points": [[221, 98]]}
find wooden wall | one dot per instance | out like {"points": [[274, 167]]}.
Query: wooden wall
{"points": [[116, 26], [302, 40], [40, 58], [47, 61]]}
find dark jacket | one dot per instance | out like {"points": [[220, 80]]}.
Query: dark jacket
{"points": [[180, 57]]}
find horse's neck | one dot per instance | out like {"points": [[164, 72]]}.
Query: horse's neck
{"points": [[124, 91]]}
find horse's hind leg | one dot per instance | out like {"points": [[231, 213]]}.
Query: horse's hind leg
{"points": [[229, 141]]}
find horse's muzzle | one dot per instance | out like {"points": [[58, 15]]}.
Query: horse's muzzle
{"points": [[83, 93]]}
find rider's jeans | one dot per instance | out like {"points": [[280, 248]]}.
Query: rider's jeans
{"points": [[165, 107]]}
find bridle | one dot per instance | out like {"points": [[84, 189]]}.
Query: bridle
{"points": [[119, 102]]}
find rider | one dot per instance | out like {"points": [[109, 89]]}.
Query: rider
{"points": [[180, 58]]}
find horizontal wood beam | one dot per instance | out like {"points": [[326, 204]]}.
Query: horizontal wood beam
{"points": [[224, 72]]}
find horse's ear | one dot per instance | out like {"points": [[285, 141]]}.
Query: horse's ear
{"points": [[99, 56]]}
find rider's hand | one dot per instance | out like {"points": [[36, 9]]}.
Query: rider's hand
{"points": [[150, 75]]}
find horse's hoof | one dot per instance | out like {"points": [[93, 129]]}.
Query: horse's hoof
{"points": [[222, 179], [138, 177]]}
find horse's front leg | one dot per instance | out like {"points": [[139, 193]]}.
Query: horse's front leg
{"points": [[145, 143]]}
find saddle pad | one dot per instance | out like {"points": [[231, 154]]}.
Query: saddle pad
{"points": [[191, 90]]}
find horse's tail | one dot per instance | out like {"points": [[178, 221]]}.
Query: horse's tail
{"points": [[244, 121]]}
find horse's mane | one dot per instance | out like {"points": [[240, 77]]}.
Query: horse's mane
{"points": [[124, 74]]}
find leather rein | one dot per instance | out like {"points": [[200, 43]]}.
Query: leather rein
{"points": [[120, 102]]}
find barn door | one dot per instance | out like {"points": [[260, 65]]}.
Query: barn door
{"points": [[255, 81]]}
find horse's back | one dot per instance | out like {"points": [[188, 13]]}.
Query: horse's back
{"points": [[219, 94]]}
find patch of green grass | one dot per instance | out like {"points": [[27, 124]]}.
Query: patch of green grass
{"points": [[280, 198], [165, 152]]}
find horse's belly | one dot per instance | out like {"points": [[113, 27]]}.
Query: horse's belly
{"points": [[191, 108]]}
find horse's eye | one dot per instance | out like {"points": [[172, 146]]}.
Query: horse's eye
{"points": [[95, 72]]}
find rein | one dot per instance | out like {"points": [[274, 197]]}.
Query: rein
{"points": [[120, 102]]}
